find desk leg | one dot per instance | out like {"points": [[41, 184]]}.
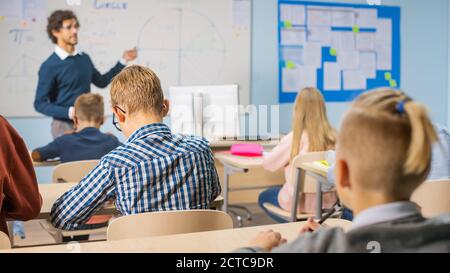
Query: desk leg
{"points": [[226, 177], [319, 200], [10, 225], [228, 171]]}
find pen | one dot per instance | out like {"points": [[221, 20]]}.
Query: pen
{"points": [[331, 212]]}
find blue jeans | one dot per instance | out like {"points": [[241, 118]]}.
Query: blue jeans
{"points": [[271, 196]]}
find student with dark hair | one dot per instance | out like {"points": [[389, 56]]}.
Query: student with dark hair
{"points": [[68, 73]]}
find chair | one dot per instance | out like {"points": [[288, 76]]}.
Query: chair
{"points": [[4, 241], [71, 172], [433, 197], [167, 222], [303, 183]]}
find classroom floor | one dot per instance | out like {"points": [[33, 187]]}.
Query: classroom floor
{"points": [[36, 235]]}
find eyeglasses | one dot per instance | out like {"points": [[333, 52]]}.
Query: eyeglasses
{"points": [[69, 27], [116, 123]]}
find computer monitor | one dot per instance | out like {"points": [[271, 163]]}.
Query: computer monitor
{"points": [[208, 111]]}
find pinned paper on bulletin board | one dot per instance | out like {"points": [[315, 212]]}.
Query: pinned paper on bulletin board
{"points": [[341, 49]]}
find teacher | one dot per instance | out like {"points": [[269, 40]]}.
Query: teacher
{"points": [[68, 73]]}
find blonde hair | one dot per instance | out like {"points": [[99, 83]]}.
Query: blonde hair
{"points": [[90, 107], [138, 89], [310, 115], [389, 138]]}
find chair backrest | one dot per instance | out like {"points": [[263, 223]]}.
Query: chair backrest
{"points": [[310, 183], [5, 243], [433, 197], [73, 172], [167, 222]]}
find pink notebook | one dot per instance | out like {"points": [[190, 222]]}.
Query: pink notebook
{"points": [[247, 149]]}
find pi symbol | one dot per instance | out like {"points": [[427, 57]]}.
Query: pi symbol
{"points": [[374, 246]]}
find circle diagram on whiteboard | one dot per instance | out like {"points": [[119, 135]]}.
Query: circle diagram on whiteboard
{"points": [[183, 47]]}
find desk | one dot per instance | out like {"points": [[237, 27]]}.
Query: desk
{"points": [[236, 164], [219, 241], [51, 192]]}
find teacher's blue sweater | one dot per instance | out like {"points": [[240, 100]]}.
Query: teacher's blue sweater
{"points": [[61, 82]]}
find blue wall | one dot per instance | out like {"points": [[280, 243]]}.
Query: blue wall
{"points": [[424, 74], [424, 59]]}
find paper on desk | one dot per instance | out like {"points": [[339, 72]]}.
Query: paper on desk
{"points": [[332, 76], [293, 36], [354, 80], [318, 16], [368, 64], [293, 13]]}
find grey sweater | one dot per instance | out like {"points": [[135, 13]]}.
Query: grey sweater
{"points": [[410, 234]]}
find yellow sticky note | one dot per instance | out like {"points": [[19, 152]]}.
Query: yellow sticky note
{"points": [[287, 24], [356, 29], [290, 65], [324, 162], [2, 18], [388, 76], [393, 83], [333, 52]]}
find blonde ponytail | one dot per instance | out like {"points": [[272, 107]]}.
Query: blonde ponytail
{"points": [[423, 136]]}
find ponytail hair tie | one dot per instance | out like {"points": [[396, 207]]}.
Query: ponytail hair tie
{"points": [[400, 107]]}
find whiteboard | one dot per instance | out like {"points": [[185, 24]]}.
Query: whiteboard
{"points": [[186, 42]]}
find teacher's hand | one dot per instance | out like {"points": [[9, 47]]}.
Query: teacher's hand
{"points": [[130, 55]]}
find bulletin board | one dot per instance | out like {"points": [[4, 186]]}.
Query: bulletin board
{"points": [[342, 49]]}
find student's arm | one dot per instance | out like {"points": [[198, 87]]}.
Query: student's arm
{"points": [[49, 151], [215, 183], [46, 89], [102, 81], [279, 157], [22, 200], [77, 205]]}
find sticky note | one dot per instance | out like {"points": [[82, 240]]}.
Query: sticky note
{"points": [[23, 23], [287, 24], [2, 18], [388, 76], [324, 162], [290, 65], [333, 52], [356, 29], [393, 83]]}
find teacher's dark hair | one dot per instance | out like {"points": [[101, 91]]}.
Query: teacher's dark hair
{"points": [[55, 22]]}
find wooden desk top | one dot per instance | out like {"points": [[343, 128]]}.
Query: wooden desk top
{"points": [[228, 143], [220, 241], [242, 162]]}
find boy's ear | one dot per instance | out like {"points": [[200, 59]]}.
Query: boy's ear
{"points": [[343, 181], [166, 108], [119, 115]]}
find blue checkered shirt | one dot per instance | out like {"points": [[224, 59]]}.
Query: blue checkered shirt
{"points": [[154, 170]]}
